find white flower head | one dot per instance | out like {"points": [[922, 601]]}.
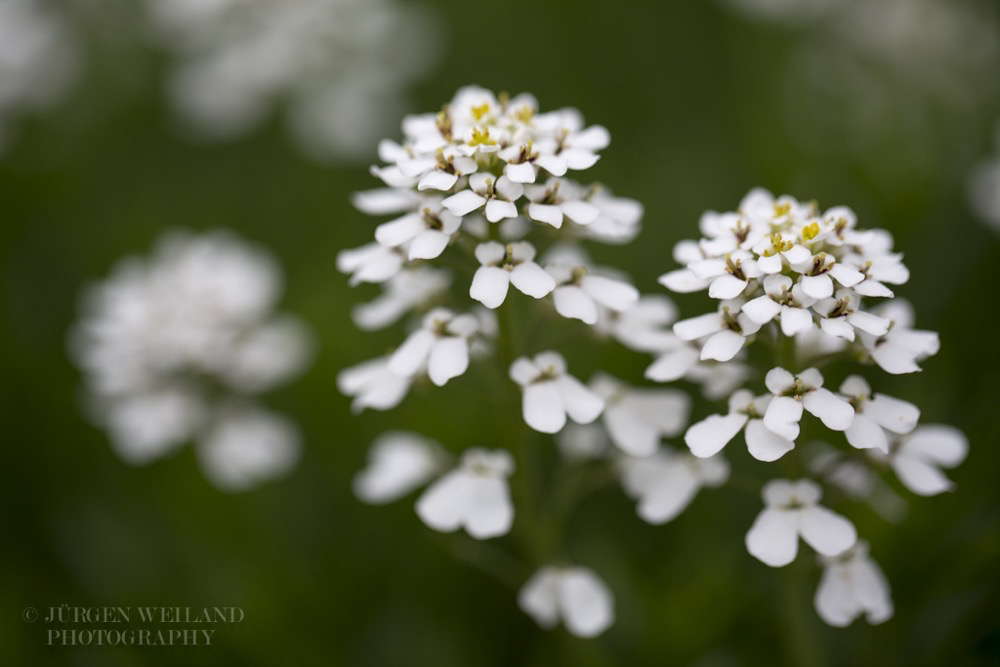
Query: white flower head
{"points": [[853, 585], [637, 418], [793, 393], [574, 595], [373, 385], [710, 435], [506, 265], [792, 510], [666, 482], [398, 463], [441, 344], [917, 458], [474, 496], [876, 415], [550, 394]]}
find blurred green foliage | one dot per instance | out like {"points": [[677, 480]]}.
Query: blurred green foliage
{"points": [[693, 97]]}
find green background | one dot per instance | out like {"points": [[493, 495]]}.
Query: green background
{"points": [[697, 101]]}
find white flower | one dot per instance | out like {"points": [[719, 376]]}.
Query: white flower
{"points": [[247, 445], [578, 293], [792, 393], [574, 595], [555, 200], [724, 331], [792, 511], [373, 385], [441, 344], [146, 426], [666, 482], [840, 317], [407, 290], [474, 496], [496, 194], [784, 301], [267, 355], [370, 263], [340, 67], [617, 221], [899, 350], [502, 266], [856, 479], [636, 418], [874, 414], [644, 327], [425, 233], [550, 394], [917, 458], [710, 435], [398, 463], [852, 585]]}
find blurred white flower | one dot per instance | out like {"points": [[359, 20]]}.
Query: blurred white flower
{"points": [[246, 445], [793, 393], [574, 595], [899, 350], [637, 418], [340, 67], [407, 290], [373, 385], [792, 510], [852, 585], [398, 463], [917, 458], [474, 496], [40, 60], [163, 334], [666, 481], [550, 394]]}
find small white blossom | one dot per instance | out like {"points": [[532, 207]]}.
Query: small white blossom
{"points": [[710, 435], [852, 585], [793, 393], [373, 385], [899, 350], [550, 394], [441, 344], [474, 496], [551, 202], [247, 445], [425, 233], [407, 290], [574, 595], [637, 418], [792, 510], [874, 414], [370, 263], [644, 327], [917, 458], [666, 482], [724, 332], [504, 265], [579, 293], [398, 463], [496, 194]]}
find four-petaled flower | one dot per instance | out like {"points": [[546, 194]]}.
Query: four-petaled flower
{"points": [[574, 595], [474, 496], [550, 393]]}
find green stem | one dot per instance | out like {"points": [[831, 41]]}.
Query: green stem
{"points": [[805, 646]]}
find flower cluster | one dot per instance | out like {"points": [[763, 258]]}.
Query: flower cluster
{"points": [[800, 280], [340, 66], [175, 347], [488, 224]]}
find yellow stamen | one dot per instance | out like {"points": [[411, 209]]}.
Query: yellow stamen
{"points": [[809, 232], [481, 137], [481, 110]]}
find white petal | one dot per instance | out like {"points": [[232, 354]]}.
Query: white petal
{"points": [[773, 538], [399, 231], [697, 327], [682, 281], [710, 435], [921, 477], [670, 492], [835, 413], [892, 414], [834, 600], [550, 215], [520, 173], [778, 380], [869, 323], [443, 504], [497, 210], [489, 512], [429, 244], [539, 597], [580, 212], [945, 445], [532, 280], [586, 603], [726, 286], [782, 417], [818, 287], [894, 359], [411, 355], [464, 202], [795, 320], [543, 409], [838, 327], [582, 405], [673, 365], [614, 294], [761, 310], [437, 180], [827, 532], [765, 445], [489, 286], [723, 346], [632, 434], [490, 252], [866, 434], [523, 371], [449, 358], [572, 302]]}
